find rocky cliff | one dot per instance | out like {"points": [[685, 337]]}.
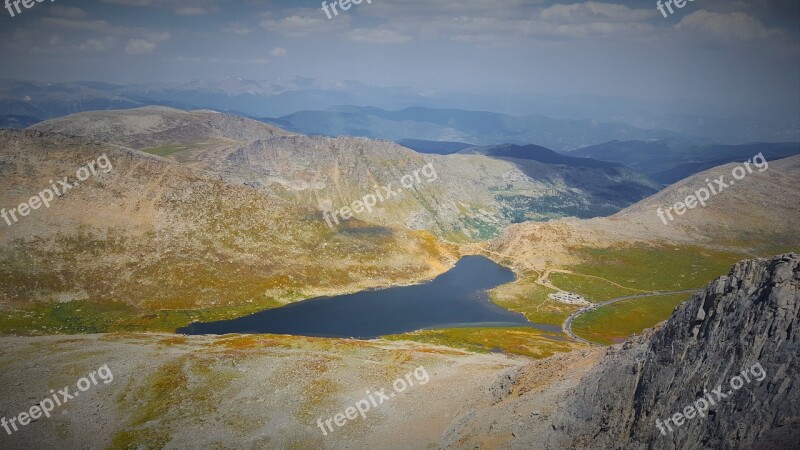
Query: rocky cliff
{"points": [[720, 373]]}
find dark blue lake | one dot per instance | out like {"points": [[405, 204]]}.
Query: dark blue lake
{"points": [[457, 298]]}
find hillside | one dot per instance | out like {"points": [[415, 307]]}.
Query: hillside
{"points": [[152, 244], [668, 161], [324, 171], [757, 215], [471, 197], [608, 185], [193, 138], [238, 204], [17, 121], [538, 153], [633, 252]]}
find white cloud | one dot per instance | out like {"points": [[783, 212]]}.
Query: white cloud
{"points": [[501, 31], [302, 25], [724, 27], [97, 45], [69, 29], [159, 36], [238, 28], [185, 59], [139, 46], [147, 45], [190, 11], [596, 12], [452, 8], [378, 36], [67, 12], [93, 25], [737, 28], [180, 7], [278, 52], [514, 22]]}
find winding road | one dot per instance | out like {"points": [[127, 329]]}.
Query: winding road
{"points": [[566, 327]]}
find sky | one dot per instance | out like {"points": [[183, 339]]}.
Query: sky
{"points": [[722, 52]]}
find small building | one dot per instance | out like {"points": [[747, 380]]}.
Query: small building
{"points": [[569, 298]]}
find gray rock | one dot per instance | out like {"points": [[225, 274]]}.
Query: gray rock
{"points": [[746, 321]]}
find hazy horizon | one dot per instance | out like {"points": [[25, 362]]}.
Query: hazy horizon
{"points": [[726, 54]]}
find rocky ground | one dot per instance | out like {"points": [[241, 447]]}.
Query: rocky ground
{"points": [[524, 400], [239, 392]]}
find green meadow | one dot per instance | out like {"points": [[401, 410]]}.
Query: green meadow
{"points": [[614, 323], [517, 340]]}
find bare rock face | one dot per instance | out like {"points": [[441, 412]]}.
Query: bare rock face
{"points": [[721, 373]]}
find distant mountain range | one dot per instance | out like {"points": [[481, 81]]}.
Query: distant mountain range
{"points": [[668, 161], [540, 154], [607, 118], [434, 147], [479, 127], [16, 121], [662, 155]]}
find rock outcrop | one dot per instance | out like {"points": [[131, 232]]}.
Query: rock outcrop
{"points": [[733, 348]]}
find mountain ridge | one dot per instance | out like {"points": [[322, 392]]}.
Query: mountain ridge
{"points": [[747, 317], [323, 172], [668, 161], [449, 124]]}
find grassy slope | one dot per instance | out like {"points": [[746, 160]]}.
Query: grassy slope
{"points": [[150, 248], [529, 298], [593, 289], [604, 274], [520, 340], [173, 290], [656, 268], [614, 323]]}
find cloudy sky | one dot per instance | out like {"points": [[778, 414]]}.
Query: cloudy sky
{"points": [[725, 52]]}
